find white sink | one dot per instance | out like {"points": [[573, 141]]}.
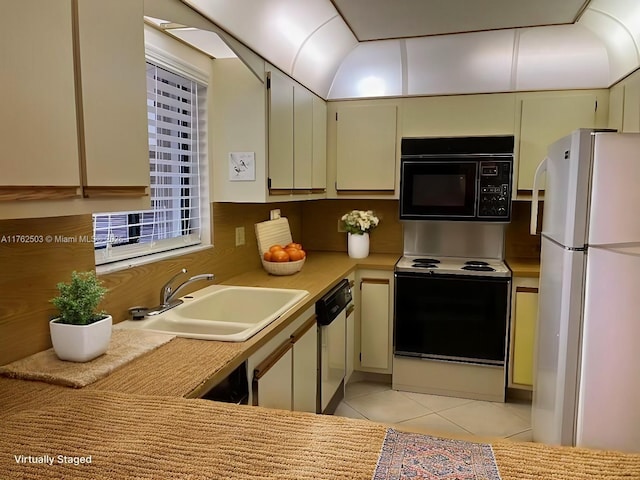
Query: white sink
{"points": [[222, 312]]}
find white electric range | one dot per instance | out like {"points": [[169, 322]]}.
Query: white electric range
{"points": [[487, 267], [452, 310]]}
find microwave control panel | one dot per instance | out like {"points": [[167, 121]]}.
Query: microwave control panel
{"points": [[495, 189]]}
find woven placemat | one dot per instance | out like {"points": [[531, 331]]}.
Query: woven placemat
{"points": [[125, 346]]}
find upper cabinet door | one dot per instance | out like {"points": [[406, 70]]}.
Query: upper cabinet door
{"points": [[112, 71], [38, 128], [280, 131], [319, 174], [459, 115], [631, 110], [616, 107], [302, 138], [366, 147], [545, 119]]}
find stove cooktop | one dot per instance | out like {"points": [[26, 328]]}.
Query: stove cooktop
{"points": [[453, 266]]}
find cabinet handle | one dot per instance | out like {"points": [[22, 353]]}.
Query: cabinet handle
{"points": [[271, 360], [379, 281], [115, 192], [350, 310], [266, 365], [12, 193], [308, 325], [527, 289], [365, 192]]}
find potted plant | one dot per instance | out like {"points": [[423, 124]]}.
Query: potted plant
{"points": [[358, 224], [80, 333]]}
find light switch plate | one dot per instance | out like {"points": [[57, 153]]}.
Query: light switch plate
{"points": [[239, 236]]}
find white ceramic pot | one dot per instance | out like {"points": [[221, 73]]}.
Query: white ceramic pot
{"points": [[80, 343], [358, 245]]}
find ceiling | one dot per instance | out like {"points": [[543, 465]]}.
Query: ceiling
{"points": [[380, 48], [385, 19]]}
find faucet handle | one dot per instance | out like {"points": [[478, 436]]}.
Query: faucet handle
{"points": [[166, 288], [182, 271]]}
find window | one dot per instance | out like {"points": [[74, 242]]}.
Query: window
{"points": [[175, 112]]}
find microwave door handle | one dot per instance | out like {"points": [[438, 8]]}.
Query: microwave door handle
{"points": [[534, 197]]}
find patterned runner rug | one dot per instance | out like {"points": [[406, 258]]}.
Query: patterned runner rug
{"points": [[415, 456]]}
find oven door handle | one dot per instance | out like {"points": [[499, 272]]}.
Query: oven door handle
{"points": [[534, 198]]}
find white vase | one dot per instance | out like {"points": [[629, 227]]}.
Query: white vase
{"points": [[358, 245], [80, 343]]}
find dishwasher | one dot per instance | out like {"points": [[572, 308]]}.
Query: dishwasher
{"points": [[332, 346]]}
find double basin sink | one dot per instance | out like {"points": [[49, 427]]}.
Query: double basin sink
{"points": [[222, 312]]}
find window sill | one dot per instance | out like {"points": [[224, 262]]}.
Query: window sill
{"points": [[155, 257]]}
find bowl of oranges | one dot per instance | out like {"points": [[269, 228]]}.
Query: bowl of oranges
{"points": [[280, 255], [284, 259]]}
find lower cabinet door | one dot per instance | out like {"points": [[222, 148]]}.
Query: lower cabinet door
{"points": [[526, 313], [305, 367], [272, 380], [374, 323]]}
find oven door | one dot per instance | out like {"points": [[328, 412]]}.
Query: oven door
{"points": [[451, 317], [438, 188]]}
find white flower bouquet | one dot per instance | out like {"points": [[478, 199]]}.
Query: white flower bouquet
{"points": [[360, 221]]}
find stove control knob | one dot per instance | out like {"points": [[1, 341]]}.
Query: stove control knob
{"points": [[502, 211]]}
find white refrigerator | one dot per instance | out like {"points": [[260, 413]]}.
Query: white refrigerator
{"points": [[587, 360]]}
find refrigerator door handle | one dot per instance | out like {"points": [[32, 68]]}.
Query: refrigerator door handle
{"points": [[631, 248], [534, 198]]}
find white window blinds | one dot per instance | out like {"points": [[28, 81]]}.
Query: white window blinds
{"points": [[174, 221]]}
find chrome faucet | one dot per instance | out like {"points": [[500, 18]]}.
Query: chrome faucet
{"points": [[166, 290], [168, 294]]}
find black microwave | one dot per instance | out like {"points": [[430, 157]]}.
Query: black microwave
{"points": [[456, 178]]}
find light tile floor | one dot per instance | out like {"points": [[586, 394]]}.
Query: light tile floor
{"points": [[435, 414]]}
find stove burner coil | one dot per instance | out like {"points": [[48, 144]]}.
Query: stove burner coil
{"points": [[426, 260], [424, 265], [477, 263], [479, 268]]}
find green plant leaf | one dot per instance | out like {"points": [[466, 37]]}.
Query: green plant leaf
{"points": [[78, 300]]}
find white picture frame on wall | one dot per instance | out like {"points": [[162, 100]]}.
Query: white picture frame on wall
{"points": [[242, 166]]}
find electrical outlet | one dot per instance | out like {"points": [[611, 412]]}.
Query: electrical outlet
{"points": [[239, 236]]}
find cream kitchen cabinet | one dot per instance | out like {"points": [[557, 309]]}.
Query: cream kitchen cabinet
{"points": [[281, 143], [544, 117], [272, 380], [78, 126], [319, 145], [374, 320], [297, 133], [281, 123], [616, 107], [366, 148], [459, 115], [524, 313], [631, 110], [283, 372], [304, 348], [624, 105]]}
